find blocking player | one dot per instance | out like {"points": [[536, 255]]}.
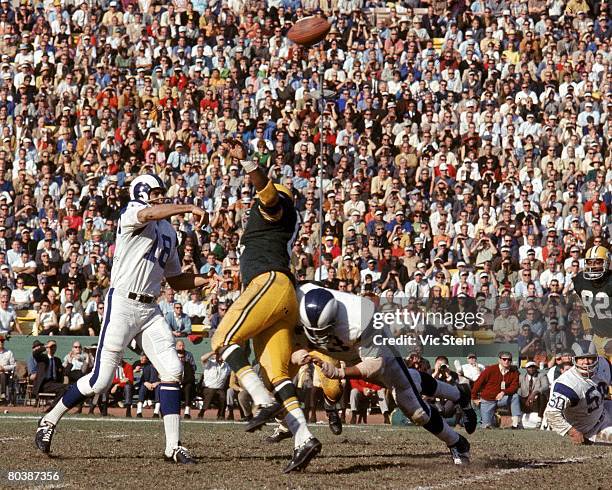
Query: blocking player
{"points": [[594, 286], [146, 252], [267, 311], [337, 324], [577, 407]]}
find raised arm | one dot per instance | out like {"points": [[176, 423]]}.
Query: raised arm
{"points": [[158, 212]]}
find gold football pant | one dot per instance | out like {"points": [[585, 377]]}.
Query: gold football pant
{"points": [[332, 388], [266, 312], [603, 346]]}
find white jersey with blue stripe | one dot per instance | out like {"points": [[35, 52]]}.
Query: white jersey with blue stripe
{"points": [[580, 399], [145, 253], [354, 315]]}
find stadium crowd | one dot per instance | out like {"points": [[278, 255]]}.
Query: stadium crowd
{"points": [[466, 152]]}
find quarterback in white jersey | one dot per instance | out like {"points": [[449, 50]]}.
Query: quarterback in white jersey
{"points": [[577, 407], [339, 325], [146, 253]]}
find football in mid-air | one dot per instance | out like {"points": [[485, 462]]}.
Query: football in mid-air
{"points": [[309, 31]]}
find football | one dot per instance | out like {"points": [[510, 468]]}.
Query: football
{"points": [[309, 31]]}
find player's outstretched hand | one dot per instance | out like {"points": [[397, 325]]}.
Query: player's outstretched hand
{"points": [[329, 370], [200, 214], [235, 148], [576, 436]]}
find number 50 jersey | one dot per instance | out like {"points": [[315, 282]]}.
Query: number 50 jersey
{"points": [[580, 400], [596, 298], [145, 253]]}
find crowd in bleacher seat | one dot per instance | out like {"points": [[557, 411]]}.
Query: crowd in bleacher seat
{"points": [[465, 154]]}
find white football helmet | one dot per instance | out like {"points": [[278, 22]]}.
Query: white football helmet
{"points": [[141, 187], [582, 349], [318, 309]]}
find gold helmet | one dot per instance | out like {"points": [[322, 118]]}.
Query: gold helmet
{"points": [[596, 262], [284, 190]]}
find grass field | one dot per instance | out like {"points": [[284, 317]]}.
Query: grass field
{"points": [[119, 453]]}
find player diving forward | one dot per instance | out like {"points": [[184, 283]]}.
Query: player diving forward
{"points": [[145, 253], [336, 323], [577, 407]]}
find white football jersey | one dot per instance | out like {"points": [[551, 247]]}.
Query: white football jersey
{"points": [[145, 253], [354, 315], [580, 399]]}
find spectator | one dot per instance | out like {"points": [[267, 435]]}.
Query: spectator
{"points": [[46, 320], [8, 317], [7, 367], [21, 298], [77, 363], [472, 370], [188, 381], [148, 386], [235, 393], [497, 386], [124, 382], [179, 322], [215, 375], [506, 326], [32, 364], [71, 322], [216, 317], [362, 394], [49, 371], [533, 390], [195, 309], [95, 320]]}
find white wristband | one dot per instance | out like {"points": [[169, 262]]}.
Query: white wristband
{"points": [[249, 165]]}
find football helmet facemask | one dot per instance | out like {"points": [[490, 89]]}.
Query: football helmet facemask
{"points": [[596, 263], [585, 349], [143, 186], [318, 309]]}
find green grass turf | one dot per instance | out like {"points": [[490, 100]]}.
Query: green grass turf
{"points": [[115, 453]]}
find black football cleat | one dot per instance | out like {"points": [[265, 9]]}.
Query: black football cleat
{"points": [[180, 455], [335, 423], [469, 419], [44, 435], [265, 414], [280, 434], [303, 455], [460, 451]]}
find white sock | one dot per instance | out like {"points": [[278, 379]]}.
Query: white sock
{"points": [[255, 387], [171, 427], [157, 407], [56, 413], [448, 392], [516, 419], [187, 410], [139, 407], [297, 425]]}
